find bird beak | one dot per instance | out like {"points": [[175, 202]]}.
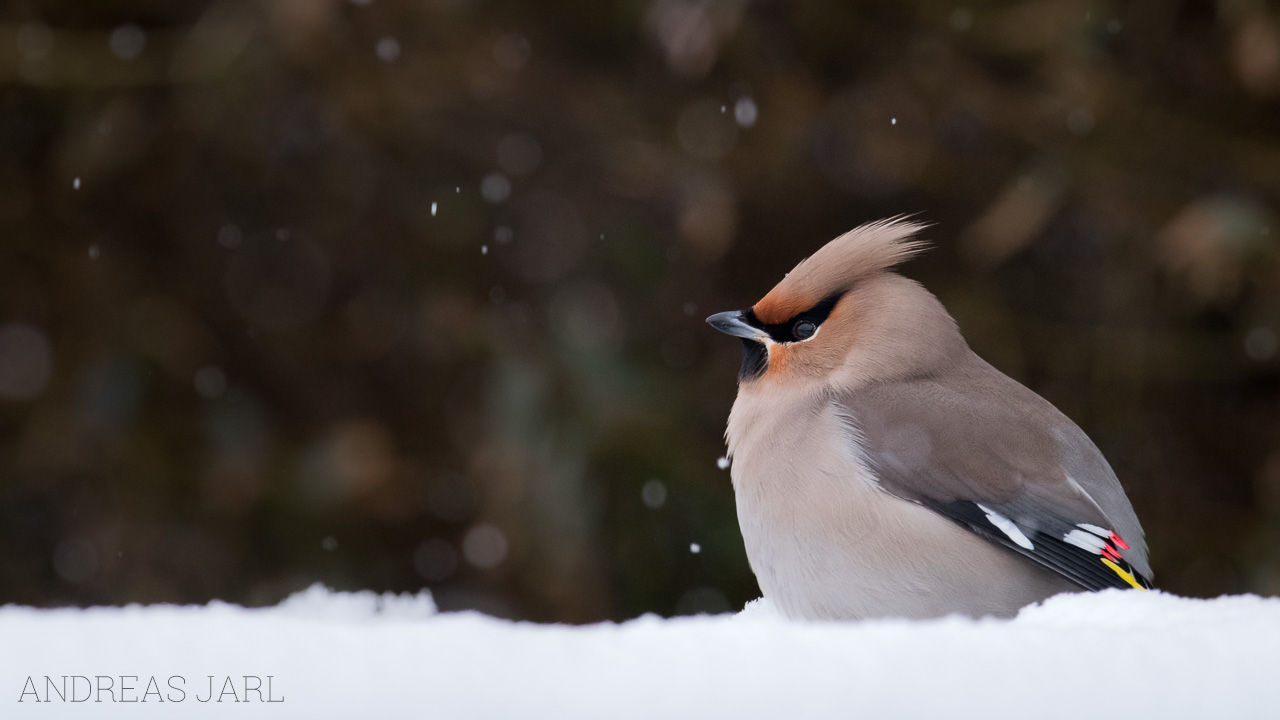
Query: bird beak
{"points": [[734, 323]]}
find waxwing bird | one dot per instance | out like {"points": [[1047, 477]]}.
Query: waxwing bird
{"points": [[882, 469]]}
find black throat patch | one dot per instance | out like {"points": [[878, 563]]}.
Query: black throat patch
{"points": [[755, 360]]}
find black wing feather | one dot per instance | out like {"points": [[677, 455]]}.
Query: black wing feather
{"points": [[1079, 565]]}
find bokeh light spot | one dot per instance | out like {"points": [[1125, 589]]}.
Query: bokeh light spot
{"points": [[485, 546]]}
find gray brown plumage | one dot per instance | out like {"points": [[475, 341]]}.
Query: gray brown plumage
{"points": [[881, 468]]}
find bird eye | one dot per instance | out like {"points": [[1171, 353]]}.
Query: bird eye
{"points": [[804, 330]]}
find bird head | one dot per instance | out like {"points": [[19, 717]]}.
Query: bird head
{"points": [[842, 315]]}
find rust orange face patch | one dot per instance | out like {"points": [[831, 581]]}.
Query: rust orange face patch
{"points": [[776, 308], [778, 357]]}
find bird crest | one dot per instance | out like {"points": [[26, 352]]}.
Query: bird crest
{"points": [[867, 249]]}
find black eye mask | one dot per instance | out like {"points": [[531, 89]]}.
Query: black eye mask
{"points": [[755, 358], [785, 332]]}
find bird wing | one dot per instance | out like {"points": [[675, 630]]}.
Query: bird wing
{"points": [[997, 459]]}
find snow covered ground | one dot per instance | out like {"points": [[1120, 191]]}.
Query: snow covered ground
{"points": [[322, 654]]}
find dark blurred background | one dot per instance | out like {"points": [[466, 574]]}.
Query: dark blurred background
{"points": [[390, 294]]}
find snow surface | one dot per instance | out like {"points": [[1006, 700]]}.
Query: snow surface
{"points": [[359, 655]]}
